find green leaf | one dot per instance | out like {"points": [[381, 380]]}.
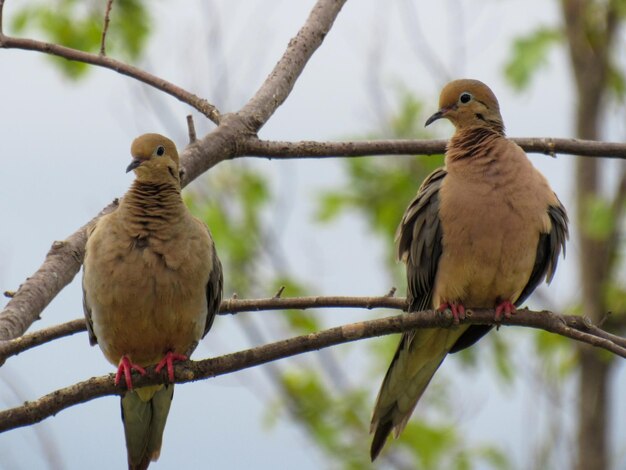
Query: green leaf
{"points": [[529, 54]]}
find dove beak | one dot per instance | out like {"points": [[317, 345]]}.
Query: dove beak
{"points": [[134, 164]]}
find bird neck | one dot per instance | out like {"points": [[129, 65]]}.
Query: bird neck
{"points": [[470, 142], [151, 206]]}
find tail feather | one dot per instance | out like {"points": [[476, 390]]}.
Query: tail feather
{"points": [[382, 430], [144, 413], [419, 355]]}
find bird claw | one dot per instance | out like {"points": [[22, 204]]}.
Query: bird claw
{"points": [[505, 307], [168, 361], [124, 369], [456, 308]]}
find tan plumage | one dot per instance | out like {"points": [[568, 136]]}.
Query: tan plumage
{"points": [[482, 232], [152, 284]]}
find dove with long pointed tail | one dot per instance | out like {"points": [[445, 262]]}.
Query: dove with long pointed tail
{"points": [[152, 285], [482, 232]]}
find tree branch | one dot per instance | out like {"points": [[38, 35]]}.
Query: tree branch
{"points": [[311, 149], [233, 306], [228, 307], [48, 405], [200, 104]]}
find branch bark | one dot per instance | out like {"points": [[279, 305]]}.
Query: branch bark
{"points": [[311, 149], [233, 306], [35, 411]]}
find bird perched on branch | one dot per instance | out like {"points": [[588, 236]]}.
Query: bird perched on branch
{"points": [[482, 232], [152, 284]]}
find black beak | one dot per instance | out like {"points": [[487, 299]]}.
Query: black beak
{"points": [[134, 164], [438, 115]]}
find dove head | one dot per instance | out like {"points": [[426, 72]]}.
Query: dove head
{"points": [[155, 159], [469, 103]]}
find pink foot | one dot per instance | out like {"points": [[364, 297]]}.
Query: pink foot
{"points": [[457, 309], [124, 369], [505, 307], [168, 360]]}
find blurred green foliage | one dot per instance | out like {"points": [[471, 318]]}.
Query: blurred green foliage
{"points": [[78, 24], [529, 54], [599, 219], [380, 188]]}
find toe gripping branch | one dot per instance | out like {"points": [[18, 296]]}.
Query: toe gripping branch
{"points": [[124, 369], [457, 309], [168, 361], [505, 307]]}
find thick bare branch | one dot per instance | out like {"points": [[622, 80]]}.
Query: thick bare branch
{"points": [[35, 411], [312, 149], [202, 105]]}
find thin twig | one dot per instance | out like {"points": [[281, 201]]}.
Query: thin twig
{"points": [[68, 53], [391, 293], [279, 292], [48, 405], [105, 28], [37, 338]]}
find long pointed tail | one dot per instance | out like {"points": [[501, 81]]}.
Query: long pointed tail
{"points": [[144, 412], [419, 355]]}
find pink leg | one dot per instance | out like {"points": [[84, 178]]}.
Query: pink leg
{"points": [[505, 307], [168, 360], [124, 369], [457, 309]]}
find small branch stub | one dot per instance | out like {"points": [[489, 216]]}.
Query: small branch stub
{"points": [[191, 127]]}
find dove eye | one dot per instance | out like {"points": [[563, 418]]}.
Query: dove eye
{"points": [[160, 150], [465, 98]]}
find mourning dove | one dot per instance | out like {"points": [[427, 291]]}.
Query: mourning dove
{"points": [[482, 232], [152, 284]]}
